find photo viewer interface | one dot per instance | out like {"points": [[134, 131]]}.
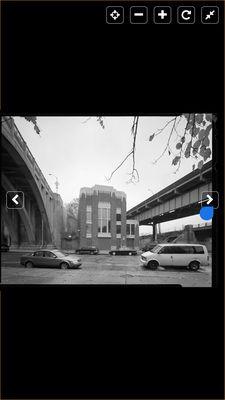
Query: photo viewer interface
{"points": [[112, 161]]}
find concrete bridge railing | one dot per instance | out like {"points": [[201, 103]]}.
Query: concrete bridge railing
{"points": [[12, 133], [50, 203]]}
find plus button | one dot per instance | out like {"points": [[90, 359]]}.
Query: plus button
{"points": [[162, 14]]}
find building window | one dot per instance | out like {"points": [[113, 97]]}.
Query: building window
{"points": [[130, 229], [118, 229], [88, 214], [104, 226], [88, 230], [118, 214], [88, 221]]}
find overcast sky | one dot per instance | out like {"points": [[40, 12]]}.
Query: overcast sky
{"points": [[80, 153]]}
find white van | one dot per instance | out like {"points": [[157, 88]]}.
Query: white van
{"points": [[191, 256]]}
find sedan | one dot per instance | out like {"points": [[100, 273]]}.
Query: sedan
{"points": [[88, 250], [53, 258], [123, 252]]}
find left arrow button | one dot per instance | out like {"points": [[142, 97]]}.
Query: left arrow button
{"points": [[14, 199]]}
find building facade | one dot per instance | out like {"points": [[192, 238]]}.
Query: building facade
{"points": [[59, 220], [102, 219]]}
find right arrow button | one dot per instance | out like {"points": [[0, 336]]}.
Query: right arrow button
{"points": [[210, 198]]}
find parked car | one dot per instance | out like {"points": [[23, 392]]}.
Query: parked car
{"points": [[191, 256], [123, 252], [4, 247], [87, 250], [52, 259]]}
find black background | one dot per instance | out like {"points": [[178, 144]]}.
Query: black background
{"points": [[73, 341]]}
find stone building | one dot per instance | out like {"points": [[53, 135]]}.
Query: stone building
{"points": [[102, 219], [59, 220]]}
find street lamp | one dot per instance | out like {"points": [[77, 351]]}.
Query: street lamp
{"points": [[56, 182]]}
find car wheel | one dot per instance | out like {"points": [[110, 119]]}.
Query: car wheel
{"points": [[153, 264], [194, 266], [64, 265], [29, 264]]}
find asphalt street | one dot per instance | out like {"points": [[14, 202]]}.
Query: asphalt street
{"points": [[101, 269]]}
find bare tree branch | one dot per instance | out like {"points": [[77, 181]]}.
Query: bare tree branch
{"points": [[86, 120], [168, 141], [128, 155], [134, 173], [156, 133]]}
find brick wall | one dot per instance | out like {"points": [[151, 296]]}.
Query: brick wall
{"points": [[92, 200]]}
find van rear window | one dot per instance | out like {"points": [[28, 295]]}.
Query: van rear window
{"points": [[199, 249]]}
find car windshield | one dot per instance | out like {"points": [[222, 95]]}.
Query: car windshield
{"points": [[59, 254], [156, 249]]}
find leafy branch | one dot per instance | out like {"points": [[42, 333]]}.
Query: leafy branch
{"points": [[192, 142]]}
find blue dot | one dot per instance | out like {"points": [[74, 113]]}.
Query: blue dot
{"points": [[206, 213]]}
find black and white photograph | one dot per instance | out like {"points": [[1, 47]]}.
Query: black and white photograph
{"points": [[107, 200]]}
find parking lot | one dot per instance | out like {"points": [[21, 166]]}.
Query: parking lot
{"points": [[101, 269]]}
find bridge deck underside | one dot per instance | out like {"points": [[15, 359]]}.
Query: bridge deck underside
{"points": [[183, 212], [173, 205]]}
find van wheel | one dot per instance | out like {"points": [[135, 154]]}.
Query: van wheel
{"points": [[64, 265], [193, 266], [29, 264], [153, 264]]}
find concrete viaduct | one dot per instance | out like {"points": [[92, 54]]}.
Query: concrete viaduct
{"points": [[181, 199], [40, 222]]}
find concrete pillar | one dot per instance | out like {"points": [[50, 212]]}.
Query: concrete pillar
{"points": [[154, 232], [136, 239], [187, 236]]}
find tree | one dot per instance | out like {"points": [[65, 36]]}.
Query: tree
{"points": [[72, 208], [33, 120], [193, 141]]}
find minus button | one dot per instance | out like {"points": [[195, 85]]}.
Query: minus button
{"points": [[138, 15]]}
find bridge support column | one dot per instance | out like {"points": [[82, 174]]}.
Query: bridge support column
{"points": [[154, 231]]}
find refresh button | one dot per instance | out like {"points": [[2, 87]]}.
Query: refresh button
{"points": [[186, 15]]}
